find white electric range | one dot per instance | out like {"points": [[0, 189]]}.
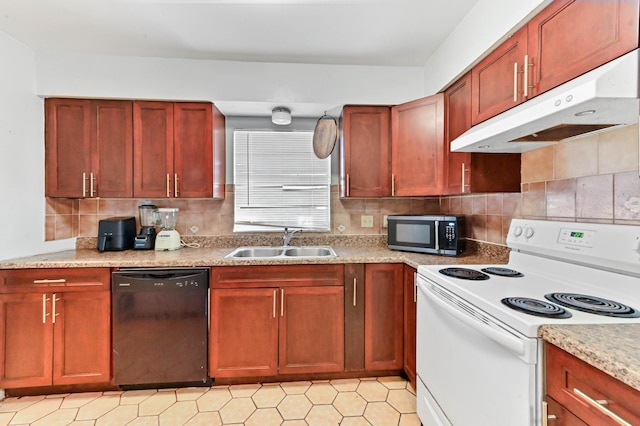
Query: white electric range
{"points": [[479, 360]]}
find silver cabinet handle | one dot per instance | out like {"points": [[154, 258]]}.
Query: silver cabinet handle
{"points": [[282, 302], [275, 297], [545, 414], [463, 177], [393, 185], [600, 406], [84, 185], [45, 299], [515, 82], [355, 291], [47, 281], [168, 185], [91, 186], [54, 314], [348, 185], [525, 80], [175, 185]]}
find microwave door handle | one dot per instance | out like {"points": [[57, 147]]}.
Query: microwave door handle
{"points": [[504, 339], [437, 246]]}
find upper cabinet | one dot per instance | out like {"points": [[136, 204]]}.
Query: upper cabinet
{"points": [[124, 149], [467, 172], [88, 148], [565, 40], [365, 151]]}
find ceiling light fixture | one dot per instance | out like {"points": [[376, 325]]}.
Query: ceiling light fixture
{"points": [[281, 116]]}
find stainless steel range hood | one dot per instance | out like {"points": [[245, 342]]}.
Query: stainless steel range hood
{"points": [[604, 98]]}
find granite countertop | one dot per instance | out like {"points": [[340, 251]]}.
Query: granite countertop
{"points": [[612, 348]]}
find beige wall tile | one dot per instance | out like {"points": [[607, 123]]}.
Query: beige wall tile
{"points": [[537, 165], [627, 196], [594, 197], [618, 150], [576, 158]]}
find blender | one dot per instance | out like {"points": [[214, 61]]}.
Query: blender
{"points": [[168, 238], [146, 238]]}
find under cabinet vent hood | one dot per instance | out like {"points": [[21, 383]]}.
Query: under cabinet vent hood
{"points": [[604, 98]]}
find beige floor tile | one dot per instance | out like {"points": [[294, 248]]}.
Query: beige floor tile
{"points": [[372, 391], [58, 418], [120, 415], [323, 415], [5, 418], [97, 408], [355, 421], [393, 382], [265, 417], [179, 413], [136, 396], [16, 404], [157, 403], [214, 399], [243, 391], [211, 418], [294, 423], [294, 407], [36, 411], [145, 421], [402, 400], [345, 385], [83, 423], [409, 420], [77, 400], [321, 393], [190, 394], [350, 404], [381, 414], [268, 396], [237, 410], [295, 388]]}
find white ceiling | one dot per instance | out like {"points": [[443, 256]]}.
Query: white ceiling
{"points": [[339, 32]]}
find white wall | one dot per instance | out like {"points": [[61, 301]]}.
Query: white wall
{"points": [[21, 156], [486, 25]]}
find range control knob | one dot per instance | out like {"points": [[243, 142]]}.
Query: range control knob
{"points": [[528, 232], [517, 231]]}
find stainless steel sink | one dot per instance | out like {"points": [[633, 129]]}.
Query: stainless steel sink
{"points": [[283, 252]]}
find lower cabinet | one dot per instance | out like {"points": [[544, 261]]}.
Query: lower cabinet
{"points": [[410, 299], [276, 320], [579, 394], [54, 327], [374, 317]]}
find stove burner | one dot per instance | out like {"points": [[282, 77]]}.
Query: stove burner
{"points": [[503, 272], [593, 305], [464, 273], [536, 307]]}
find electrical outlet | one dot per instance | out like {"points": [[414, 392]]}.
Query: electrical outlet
{"points": [[385, 223], [366, 221]]}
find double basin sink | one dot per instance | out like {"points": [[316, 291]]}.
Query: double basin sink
{"points": [[283, 252]]}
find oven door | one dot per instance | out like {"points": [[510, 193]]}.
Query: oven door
{"points": [[472, 370]]}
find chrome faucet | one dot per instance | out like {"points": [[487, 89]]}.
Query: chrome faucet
{"points": [[289, 235]]}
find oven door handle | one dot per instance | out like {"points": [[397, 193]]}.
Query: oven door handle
{"points": [[503, 338]]}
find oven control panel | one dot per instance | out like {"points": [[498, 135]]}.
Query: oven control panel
{"points": [[575, 237]]}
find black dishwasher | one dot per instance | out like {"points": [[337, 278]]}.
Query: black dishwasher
{"points": [[160, 326]]}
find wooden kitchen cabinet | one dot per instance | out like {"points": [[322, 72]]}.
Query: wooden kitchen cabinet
{"points": [[410, 305], [571, 382], [354, 317], [417, 147], [467, 172], [173, 150], [55, 328], [365, 151], [290, 318], [88, 148]]}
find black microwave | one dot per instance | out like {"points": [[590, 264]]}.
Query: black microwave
{"points": [[434, 234]]}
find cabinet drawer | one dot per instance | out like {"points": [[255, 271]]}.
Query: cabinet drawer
{"points": [[557, 415], [60, 279], [571, 381], [276, 276]]}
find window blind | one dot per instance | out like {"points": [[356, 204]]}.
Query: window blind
{"points": [[279, 182]]}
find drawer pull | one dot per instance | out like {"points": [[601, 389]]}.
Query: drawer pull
{"points": [[44, 308], [274, 302], [355, 291], [600, 406], [282, 302], [45, 281]]}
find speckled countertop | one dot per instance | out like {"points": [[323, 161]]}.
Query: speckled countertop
{"points": [[612, 348]]}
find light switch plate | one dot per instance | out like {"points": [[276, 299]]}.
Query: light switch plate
{"points": [[366, 221]]}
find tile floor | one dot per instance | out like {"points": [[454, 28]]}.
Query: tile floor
{"points": [[382, 401]]}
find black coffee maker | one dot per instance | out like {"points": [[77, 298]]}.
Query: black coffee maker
{"points": [[146, 238]]}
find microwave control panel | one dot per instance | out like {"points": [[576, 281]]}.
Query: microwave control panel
{"points": [[449, 235]]}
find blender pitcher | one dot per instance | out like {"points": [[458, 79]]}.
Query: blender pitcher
{"points": [[146, 238], [168, 238]]}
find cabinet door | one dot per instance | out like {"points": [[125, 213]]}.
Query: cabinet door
{"points": [[312, 330], [496, 81], [365, 151], [410, 299], [67, 147], [417, 138], [112, 148], [193, 150], [560, 50], [457, 101], [383, 317], [153, 149], [559, 415], [243, 338], [82, 337], [354, 317], [26, 340]]}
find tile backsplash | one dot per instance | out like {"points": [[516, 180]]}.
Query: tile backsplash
{"points": [[592, 179]]}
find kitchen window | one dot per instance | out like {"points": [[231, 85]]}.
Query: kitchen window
{"points": [[279, 182]]}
